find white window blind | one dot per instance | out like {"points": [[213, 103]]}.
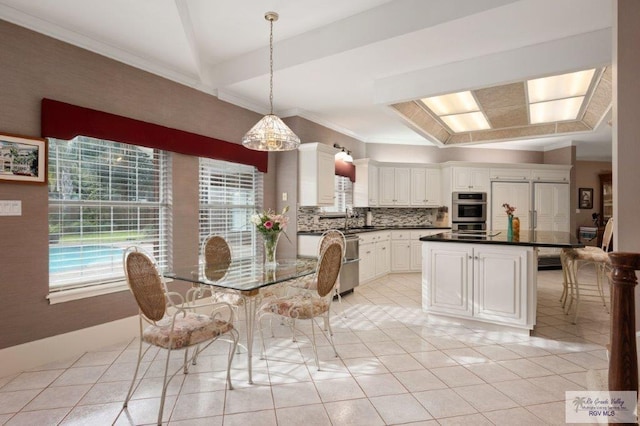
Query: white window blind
{"points": [[104, 197], [229, 194]]}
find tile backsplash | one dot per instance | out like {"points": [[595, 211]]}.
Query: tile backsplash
{"points": [[310, 219]]}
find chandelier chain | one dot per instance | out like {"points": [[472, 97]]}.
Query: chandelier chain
{"points": [[271, 66]]}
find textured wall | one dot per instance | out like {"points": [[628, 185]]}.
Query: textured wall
{"points": [[35, 66]]}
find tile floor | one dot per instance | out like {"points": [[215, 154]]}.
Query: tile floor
{"points": [[396, 366]]}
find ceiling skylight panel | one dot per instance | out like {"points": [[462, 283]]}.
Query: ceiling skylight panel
{"points": [[454, 103], [466, 122], [559, 86], [558, 110]]}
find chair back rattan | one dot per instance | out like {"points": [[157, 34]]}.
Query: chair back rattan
{"points": [[332, 236], [217, 257], [606, 236], [329, 269], [145, 284]]}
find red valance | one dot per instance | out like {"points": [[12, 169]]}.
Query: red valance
{"points": [[346, 169], [65, 121]]}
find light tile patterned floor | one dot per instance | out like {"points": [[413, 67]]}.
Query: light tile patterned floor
{"points": [[396, 366]]}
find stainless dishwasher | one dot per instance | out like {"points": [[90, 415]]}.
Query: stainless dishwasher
{"points": [[349, 274]]}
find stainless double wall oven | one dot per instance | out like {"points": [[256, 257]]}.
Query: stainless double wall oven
{"points": [[469, 211]]}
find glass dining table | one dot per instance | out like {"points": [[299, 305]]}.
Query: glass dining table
{"points": [[245, 277]]}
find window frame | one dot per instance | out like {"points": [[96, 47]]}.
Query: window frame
{"points": [[116, 198]]}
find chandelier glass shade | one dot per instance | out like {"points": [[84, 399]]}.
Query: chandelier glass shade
{"points": [[270, 133]]}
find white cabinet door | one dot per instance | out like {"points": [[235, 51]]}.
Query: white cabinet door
{"points": [[448, 279], [425, 187], [365, 188], [394, 186], [516, 194], [387, 186], [326, 178], [367, 265], [400, 255], [373, 185], [316, 171], [470, 179], [402, 184], [551, 207], [383, 258], [500, 281], [434, 187]]}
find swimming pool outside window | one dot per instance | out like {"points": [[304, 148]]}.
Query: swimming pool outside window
{"points": [[104, 197]]}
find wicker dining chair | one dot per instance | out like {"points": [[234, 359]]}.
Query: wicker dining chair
{"points": [[309, 282], [311, 304], [172, 324]]}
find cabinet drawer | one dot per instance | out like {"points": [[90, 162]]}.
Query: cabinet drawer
{"points": [[510, 174], [550, 175], [400, 235]]}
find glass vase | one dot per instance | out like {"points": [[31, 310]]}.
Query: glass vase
{"points": [[270, 246], [510, 228]]}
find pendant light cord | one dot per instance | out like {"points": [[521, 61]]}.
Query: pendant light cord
{"points": [[271, 66]]}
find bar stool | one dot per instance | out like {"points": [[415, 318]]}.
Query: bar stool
{"points": [[575, 259]]}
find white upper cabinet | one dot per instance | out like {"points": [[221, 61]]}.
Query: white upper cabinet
{"points": [[394, 186], [470, 179], [316, 171], [425, 187], [365, 188], [550, 175], [510, 174]]}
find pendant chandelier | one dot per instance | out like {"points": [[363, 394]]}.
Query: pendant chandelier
{"points": [[270, 133]]}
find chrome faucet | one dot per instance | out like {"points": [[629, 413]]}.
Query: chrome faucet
{"points": [[348, 213], [346, 218]]}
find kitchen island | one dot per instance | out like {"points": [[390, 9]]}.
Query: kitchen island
{"points": [[486, 277]]}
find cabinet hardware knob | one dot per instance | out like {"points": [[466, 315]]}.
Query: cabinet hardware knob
{"points": [[470, 257]]}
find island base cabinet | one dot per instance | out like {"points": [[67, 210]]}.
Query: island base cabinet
{"points": [[481, 282], [447, 279], [500, 285]]}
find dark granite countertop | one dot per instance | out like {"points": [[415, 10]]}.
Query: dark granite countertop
{"points": [[527, 238], [376, 228]]}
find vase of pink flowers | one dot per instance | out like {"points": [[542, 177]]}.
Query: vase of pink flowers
{"points": [[270, 225]]}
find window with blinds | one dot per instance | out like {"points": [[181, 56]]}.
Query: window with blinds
{"points": [[343, 191], [229, 194], [104, 197]]}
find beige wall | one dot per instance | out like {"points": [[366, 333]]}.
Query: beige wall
{"points": [[35, 66]]}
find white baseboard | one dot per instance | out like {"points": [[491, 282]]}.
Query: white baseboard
{"points": [[65, 346]]}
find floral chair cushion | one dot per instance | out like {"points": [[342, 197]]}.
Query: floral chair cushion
{"points": [[299, 306], [189, 330], [234, 299]]}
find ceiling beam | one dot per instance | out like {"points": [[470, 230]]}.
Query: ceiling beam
{"points": [[187, 28], [375, 25], [587, 50]]}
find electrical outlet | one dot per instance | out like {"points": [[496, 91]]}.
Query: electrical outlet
{"points": [[285, 196]]}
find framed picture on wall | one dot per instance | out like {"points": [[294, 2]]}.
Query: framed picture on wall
{"points": [[585, 198], [23, 159]]}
